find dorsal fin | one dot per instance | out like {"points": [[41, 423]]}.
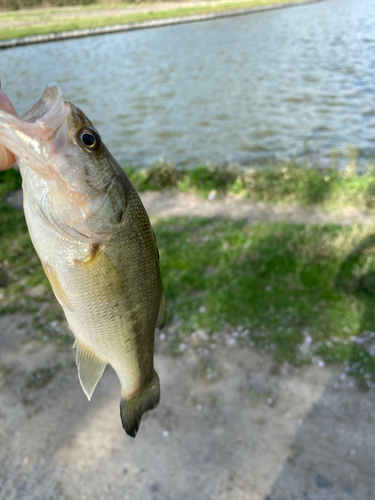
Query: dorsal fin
{"points": [[90, 368], [162, 315]]}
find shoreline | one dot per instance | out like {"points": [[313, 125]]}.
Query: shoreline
{"points": [[282, 186], [157, 23]]}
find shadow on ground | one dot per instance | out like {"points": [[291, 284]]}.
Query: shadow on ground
{"points": [[332, 454]]}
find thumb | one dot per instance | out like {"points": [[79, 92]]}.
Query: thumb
{"points": [[6, 157]]}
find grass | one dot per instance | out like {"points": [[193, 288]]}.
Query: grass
{"points": [[303, 293], [21, 271], [284, 182], [41, 377], [20, 268], [58, 20]]}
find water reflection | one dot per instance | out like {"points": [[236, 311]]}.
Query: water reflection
{"points": [[244, 89]]}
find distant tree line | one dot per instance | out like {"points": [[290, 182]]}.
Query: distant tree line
{"points": [[29, 4]]}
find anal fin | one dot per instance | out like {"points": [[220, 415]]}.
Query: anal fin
{"points": [[90, 368], [162, 315], [131, 410]]}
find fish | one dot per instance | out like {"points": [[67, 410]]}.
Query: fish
{"points": [[96, 245]]}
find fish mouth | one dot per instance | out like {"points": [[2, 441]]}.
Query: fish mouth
{"points": [[29, 137]]}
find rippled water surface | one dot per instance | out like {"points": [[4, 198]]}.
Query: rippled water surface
{"points": [[270, 85]]}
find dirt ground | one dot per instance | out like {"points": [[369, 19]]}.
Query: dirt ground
{"points": [[252, 432], [173, 203]]}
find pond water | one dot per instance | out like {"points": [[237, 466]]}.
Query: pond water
{"points": [[296, 82]]}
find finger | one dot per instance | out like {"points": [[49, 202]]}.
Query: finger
{"points": [[7, 158], [6, 105]]}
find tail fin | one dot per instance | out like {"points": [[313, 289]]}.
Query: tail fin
{"points": [[131, 410]]}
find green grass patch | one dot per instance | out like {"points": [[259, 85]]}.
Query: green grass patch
{"points": [[301, 292], [10, 180], [284, 182], [23, 284], [20, 269], [55, 21]]}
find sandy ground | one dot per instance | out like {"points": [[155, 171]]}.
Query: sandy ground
{"points": [[256, 433]]}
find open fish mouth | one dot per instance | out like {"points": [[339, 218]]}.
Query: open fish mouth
{"points": [[29, 137]]}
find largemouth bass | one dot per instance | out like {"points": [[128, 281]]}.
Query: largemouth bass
{"points": [[96, 244]]}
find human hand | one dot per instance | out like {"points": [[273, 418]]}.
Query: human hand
{"points": [[6, 157]]}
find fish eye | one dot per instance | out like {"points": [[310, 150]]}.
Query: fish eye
{"points": [[89, 138]]}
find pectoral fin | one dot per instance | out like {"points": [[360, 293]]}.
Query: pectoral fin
{"points": [[103, 281], [162, 315], [90, 368], [57, 288]]}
